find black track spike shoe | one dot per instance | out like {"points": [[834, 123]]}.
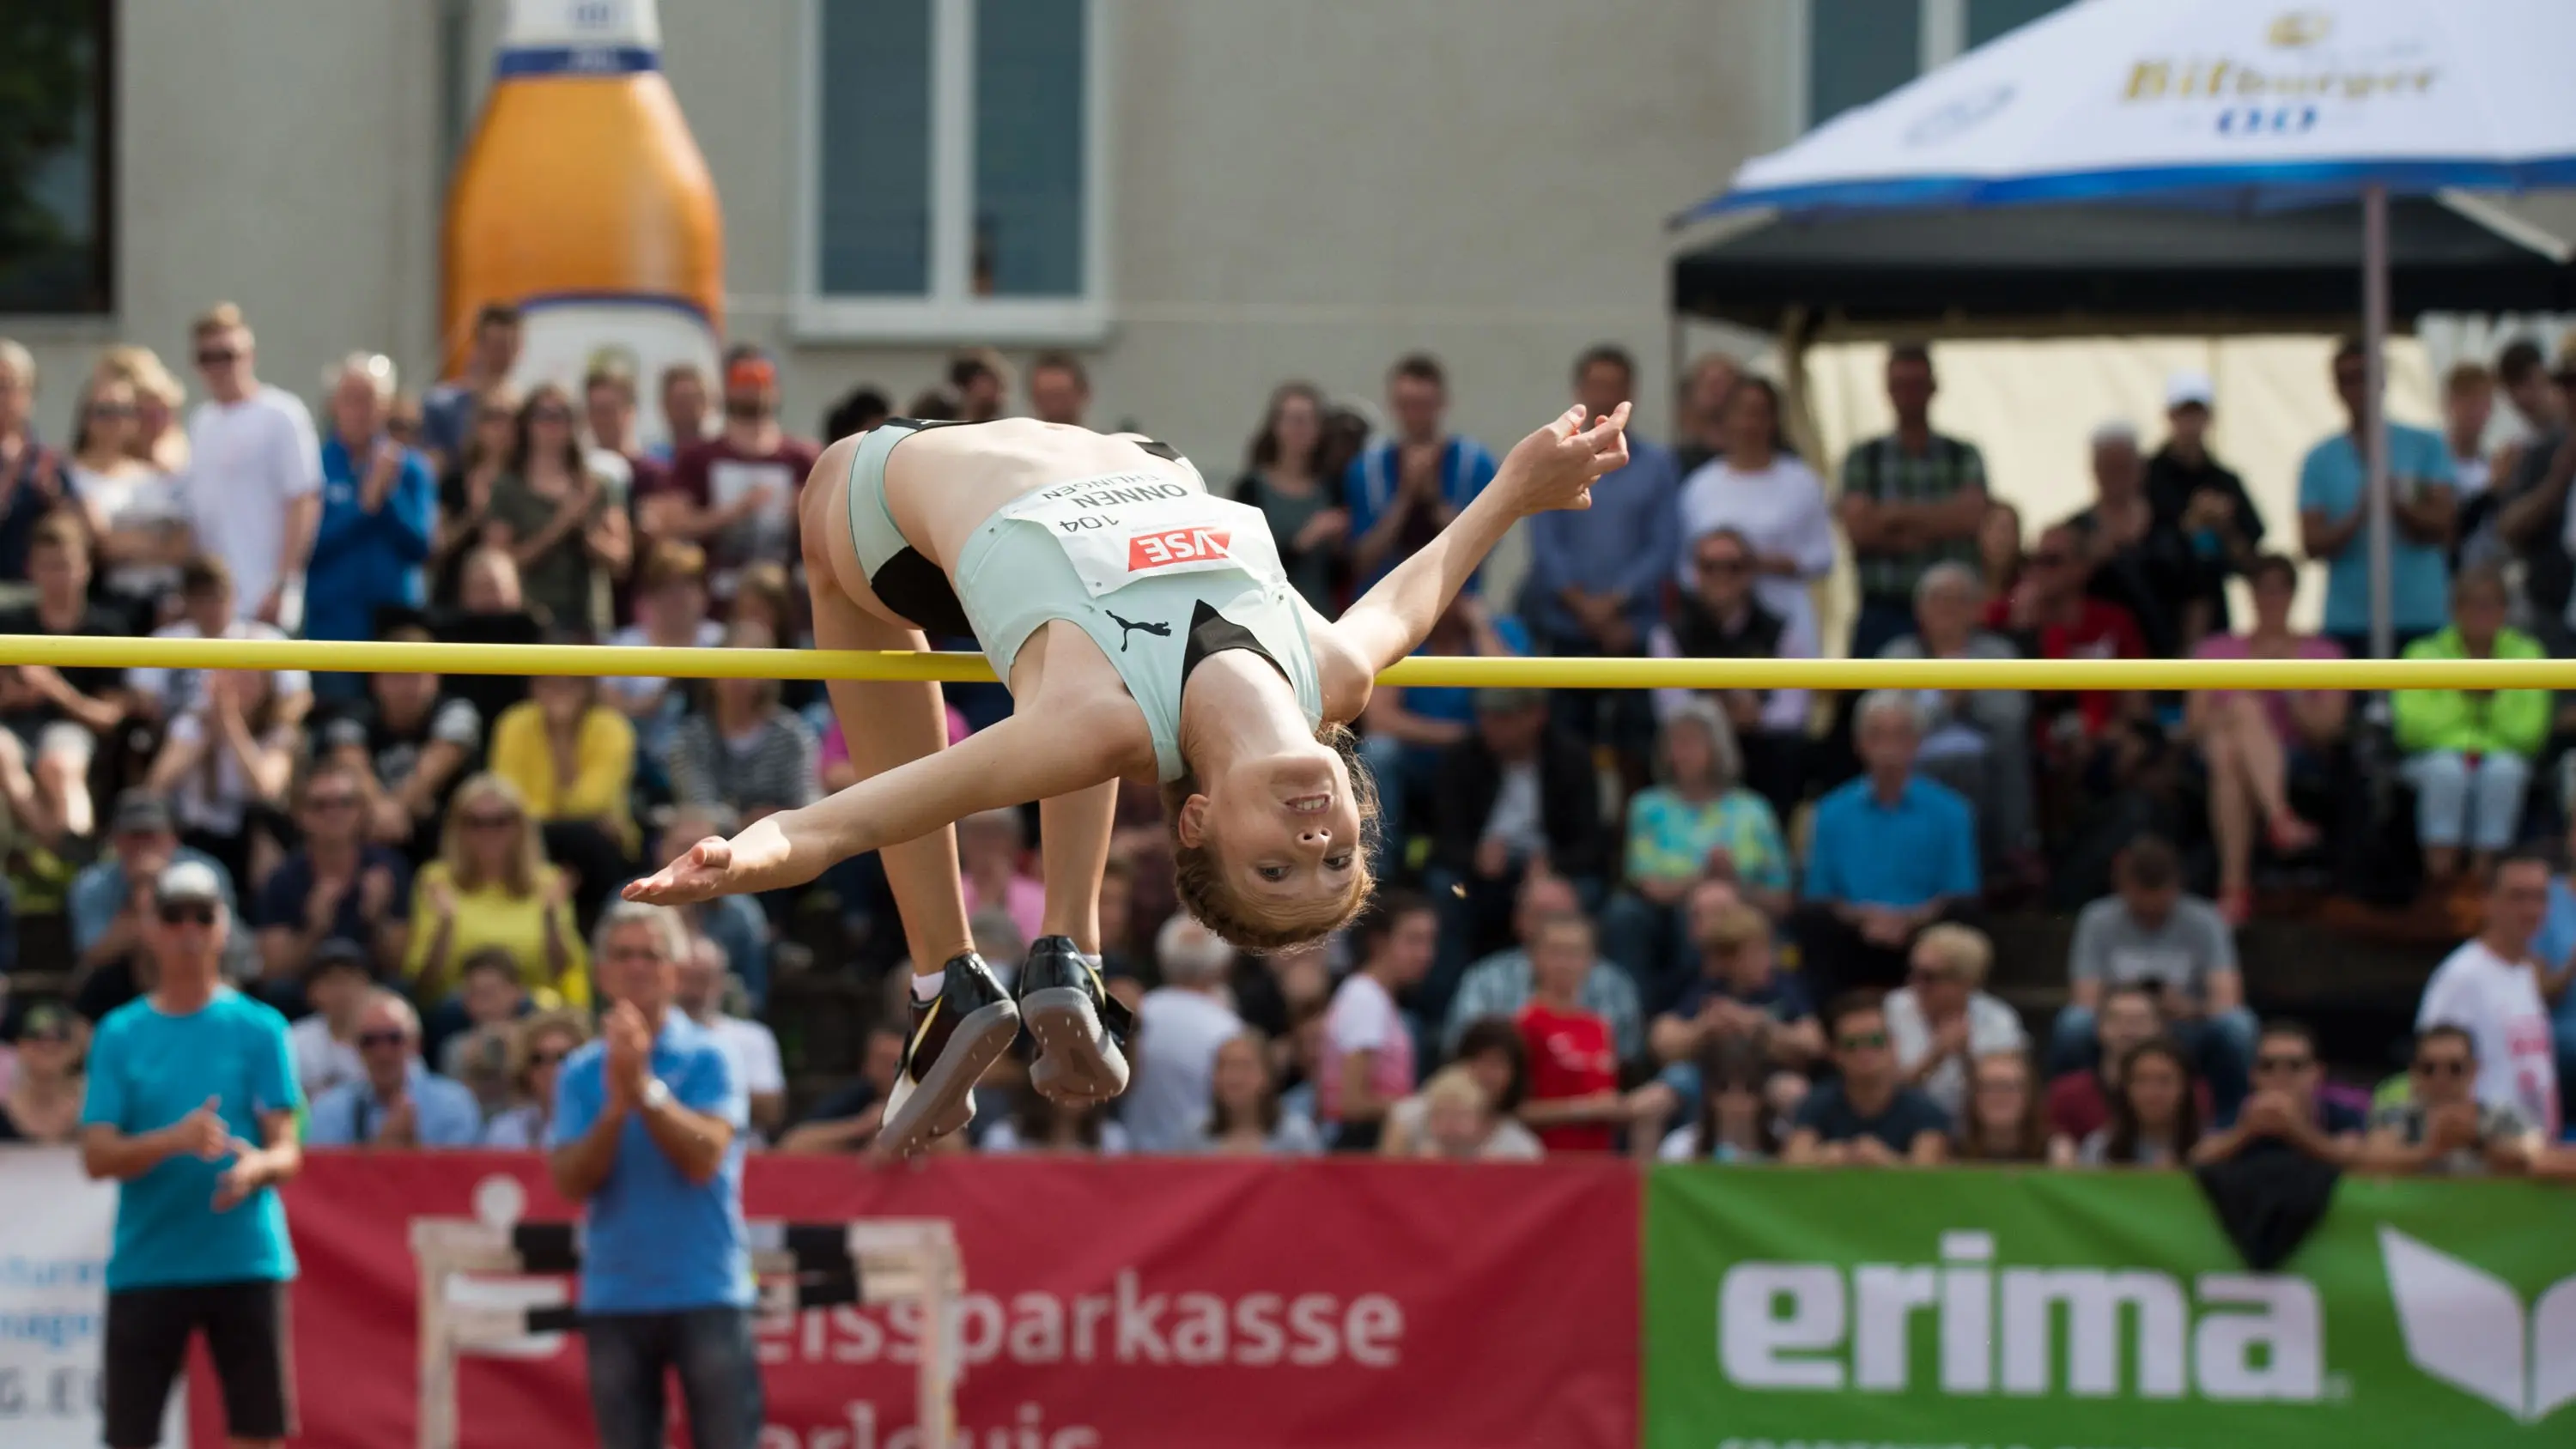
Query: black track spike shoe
{"points": [[1078, 1024], [956, 1035]]}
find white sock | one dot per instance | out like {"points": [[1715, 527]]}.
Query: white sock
{"points": [[926, 988]]}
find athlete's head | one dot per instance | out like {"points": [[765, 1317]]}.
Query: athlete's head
{"points": [[1274, 852]]}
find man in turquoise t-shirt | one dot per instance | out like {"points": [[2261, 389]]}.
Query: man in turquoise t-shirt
{"points": [[191, 1107], [2334, 520]]}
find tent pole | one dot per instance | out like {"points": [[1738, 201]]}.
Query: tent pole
{"points": [[2374, 419]]}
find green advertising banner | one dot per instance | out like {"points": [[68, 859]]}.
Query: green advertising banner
{"points": [[2086, 1310]]}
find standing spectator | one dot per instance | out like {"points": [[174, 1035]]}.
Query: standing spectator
{"points": [[2079, 1100], [1909, 500], [2523, 375], [1976, 741], [110, 906], [1865, 1115], [2531, 480], [2204, 502], [1574, 1102], [572, 757], [1367, 1063], [1596, 575], [1490, 1051], [859, 410], [1888, 854], [191, 1109], [1942, 1018], [40, 1104], [51, 718], [2155, 1115], [1769, 498], [2469, 753], [466, 484], [2468, 405], [206, 612], [1500, 984], [608, 411], [1243, 1115], [159, 437], [406, 748], [134, 508], [338, 983], [2490, 988], [379, 506], [1059, 390], [447, 419], [491, 886], [1410, 727], [670, 613], [2250, 738], [1515, 797], [1698, 824], [399, 1103], [1722, 619], [1403, 491], [2288, 1112], [1999, 553], [225, 767], [556, 518], [978, 377], [539, 1046], [31, 474], [2441, 1126], [2334, 516], [254, 482], [336, 886], [649, 1135], [1706, 388], [1284, 478], [2132, 556], [1180, 1027], [847, 1118], [2001, 1121], [2148, 933], [681, 392], [704, 978], [735, 494], [747, 750]]}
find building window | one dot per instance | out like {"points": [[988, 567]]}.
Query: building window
{"points": [[55, 111], [954, 171], [1859, 50]]}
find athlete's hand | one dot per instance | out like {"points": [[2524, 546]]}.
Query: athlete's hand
{"points": [[1555, 466], [702, 873]]}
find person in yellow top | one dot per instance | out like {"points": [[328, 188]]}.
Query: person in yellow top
{"points": [[571, 755], [491, 886]]}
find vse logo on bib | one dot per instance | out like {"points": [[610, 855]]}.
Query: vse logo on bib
{"points": [[1188, 544]]}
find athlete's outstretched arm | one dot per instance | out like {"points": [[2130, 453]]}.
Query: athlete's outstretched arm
{"points": [[1016, 761], [1551, 468]]}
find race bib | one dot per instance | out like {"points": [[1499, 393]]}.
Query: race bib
{"points": [[1128, 526]]}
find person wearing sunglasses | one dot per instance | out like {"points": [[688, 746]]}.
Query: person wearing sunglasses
{"points": [[1865, 1115], [539, 1044], [43, 1101], [2287, 1113], [2439, 1126], [492, 885], [1721, 618], [134, 508], [110, 907], [254, 490], [400, 1102], [191, 1109]]}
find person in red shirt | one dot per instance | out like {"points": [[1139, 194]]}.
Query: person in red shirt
{"points": [[735, 493], [2079, 1102], [1574, 1103], [2048, 615]]}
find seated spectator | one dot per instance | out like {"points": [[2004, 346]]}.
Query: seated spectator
{"points": [[1737, 1120], [134, 508], [2252, 738], [338, 980], [1976, 741], [2441, 1127], [1284, 478], [336, 885], [1411, 727], [1722, 618], [992, 856], [2490, 988], [2000, 557], [1888, 854], [225, 767], [2469, 753], [490, 610], [2155, 1115], [51, 719], [1514, 796], [466, 481], [847, 1118], [476, 1056], [2149, 933], [2079, 1100], [1367, 1060], [1038, 1125], [492, 886], [538, 1045], [1865, 1115], [1705, 424], [2203, 502], [1739, 997], [399, 1103], [2003, 1120], [1699, 823], [1243, 1116], [670, 613], [735, 923], [2553, 953], [406, 747], [379, 507], [2048, 615], [557, 517], [1574, 1102], [861, 409], [1770, 500], [1179, 1028], [41, 1103], [205, 611], [1501, 984], [1458, 1119], [1941, 1019], [1492, 1053], [703, 979], [572, 758], [2334, 518], [746, 750], [109, 900], [2288, 1111], [2132, 557]]}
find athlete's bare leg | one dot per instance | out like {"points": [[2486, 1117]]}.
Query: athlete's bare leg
{"points": [[1073, 848]]}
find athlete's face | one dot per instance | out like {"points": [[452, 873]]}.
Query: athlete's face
{"points": [[1287, 828]]}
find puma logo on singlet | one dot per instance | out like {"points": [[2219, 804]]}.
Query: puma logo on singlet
{"points": [[1125, 628]]}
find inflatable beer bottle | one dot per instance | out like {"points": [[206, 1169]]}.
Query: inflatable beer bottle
{"points": [[582, 199]]}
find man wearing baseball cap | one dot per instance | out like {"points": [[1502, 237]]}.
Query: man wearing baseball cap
{"points": [[735, 493], [2203, 500]]}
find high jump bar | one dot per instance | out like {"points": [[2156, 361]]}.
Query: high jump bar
{"points": [[605, 661]]}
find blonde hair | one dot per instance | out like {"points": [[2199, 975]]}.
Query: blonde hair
{"points": [[141, 368], [221, 317], [1456, 1085], [1251, 925], [527, 1031], [527, 864], [1964, 949], [18, 362]]}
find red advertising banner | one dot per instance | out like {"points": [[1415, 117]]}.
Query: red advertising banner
{"points": [[1128, 1304]]}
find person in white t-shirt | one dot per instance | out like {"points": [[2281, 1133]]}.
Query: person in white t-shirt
{"points": [[1179, 1026], [1366, 1065], [337, 984], [704, 974], [1940, 1020], [253, 490], [134, 508], [2490, 988], [1765, 493], [206, 612]]}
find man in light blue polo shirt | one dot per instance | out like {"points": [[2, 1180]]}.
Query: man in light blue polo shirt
{"points": [[2334, 520], [649, 1130], [1891, 852], [399, 1103]]}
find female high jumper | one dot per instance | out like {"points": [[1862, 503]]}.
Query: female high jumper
{"points": [[1140, 624]]}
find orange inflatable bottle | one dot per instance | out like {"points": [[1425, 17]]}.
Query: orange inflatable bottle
{"points": [[582, 198]]}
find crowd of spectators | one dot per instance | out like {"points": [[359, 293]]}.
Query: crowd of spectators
{"points": [[1726, 924]]}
